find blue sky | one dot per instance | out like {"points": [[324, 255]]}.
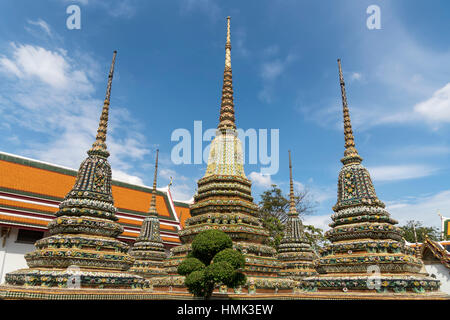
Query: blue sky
{"points": [[169, 74]]}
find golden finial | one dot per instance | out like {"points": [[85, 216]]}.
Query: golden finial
{"points": [[228, 45], [350, 154], [292, 207], [99, 146]]}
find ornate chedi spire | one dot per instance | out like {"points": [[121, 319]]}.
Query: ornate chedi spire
{"points": [[350, 153], [227, 118], [366, 253], [99, 146], [83, 236], [224, 202], [148, 250], [225, 157], [294, 251]]}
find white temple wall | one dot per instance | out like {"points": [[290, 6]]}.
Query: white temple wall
{"points": [[12, 254], [442, 273]]}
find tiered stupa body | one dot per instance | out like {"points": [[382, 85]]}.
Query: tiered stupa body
{"points": [[82, 250], [224, 202], [294, 251], [367, 253], [148, 250]]}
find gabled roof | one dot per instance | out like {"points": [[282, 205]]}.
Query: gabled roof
{"points": [[436, 250], [30, 192]]}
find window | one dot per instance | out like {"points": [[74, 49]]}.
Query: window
{"points": [[29, 236]]}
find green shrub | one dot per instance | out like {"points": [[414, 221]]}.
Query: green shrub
{"points": [[195, 282], [219, 272], [237, 279], [207, 243], [233, 257], [190, 265], [202, 275]]}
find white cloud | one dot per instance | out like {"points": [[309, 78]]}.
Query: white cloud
{"points": [[298, 186], [125, 177], [49, 94], [169, 173], [208, 7], [260, 180], [115, 8], [271, 50], [400, 172], [321, 221], [42, 24], [436, 108], [422, 209], [52, 67], [182, 192], [355, 76], [421, 151], [270, 71]]}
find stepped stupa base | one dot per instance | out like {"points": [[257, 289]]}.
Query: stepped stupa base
{"points": [[36, 293], [399, 284], [8, 292], [75, 278], [266, 285]]}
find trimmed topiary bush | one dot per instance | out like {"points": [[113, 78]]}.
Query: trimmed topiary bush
{"points": [[208, 243], [219, 272], [237, 279], [196, 283], [212, 262], [190, 265], [233, 257]]}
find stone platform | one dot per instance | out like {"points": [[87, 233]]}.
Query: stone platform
{"points": [[36, 293]]}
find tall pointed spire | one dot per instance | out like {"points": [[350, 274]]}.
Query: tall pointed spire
{"points": [[294, 251], [150, 226], [153, 201], [224, 201], [364, 235], [227, 119], [148, 250], [292, 207], [99, 146], [350, 154]]}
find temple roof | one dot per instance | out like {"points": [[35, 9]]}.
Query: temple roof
{"points": [[437, 250], [31, 190]]}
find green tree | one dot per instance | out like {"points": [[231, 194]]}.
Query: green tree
{"points": [[274, 207], [212, 262], [408, 232]]}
